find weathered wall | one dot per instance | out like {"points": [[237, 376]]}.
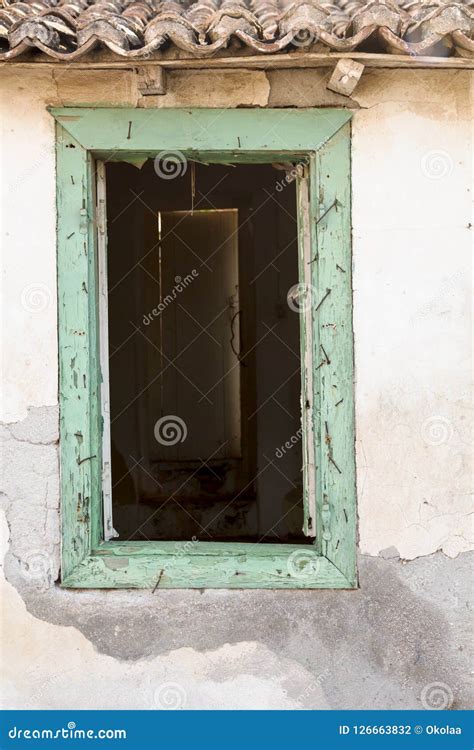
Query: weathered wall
{"points": [[405, 629]]}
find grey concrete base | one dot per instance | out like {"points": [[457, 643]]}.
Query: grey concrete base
{"points": [[405, 629]]}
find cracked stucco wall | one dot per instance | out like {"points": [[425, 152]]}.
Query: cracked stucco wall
{"points": [[406, 628]]}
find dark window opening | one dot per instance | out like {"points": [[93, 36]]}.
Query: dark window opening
{"points": [[204, 357]]}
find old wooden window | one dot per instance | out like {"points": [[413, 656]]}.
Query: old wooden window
{"points": [[310, 152]]}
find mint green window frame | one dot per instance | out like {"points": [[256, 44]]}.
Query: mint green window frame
{"points": [[319, 140]]}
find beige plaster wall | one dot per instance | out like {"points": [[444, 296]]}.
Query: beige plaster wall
{"points": [[412, 272]]}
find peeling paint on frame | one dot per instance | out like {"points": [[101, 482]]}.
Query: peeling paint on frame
{"points": [[323, 138]]}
